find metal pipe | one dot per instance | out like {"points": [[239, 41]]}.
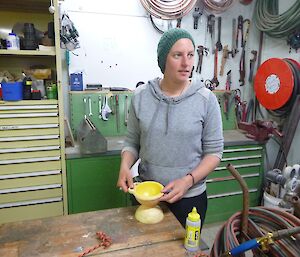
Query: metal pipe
{"points": [[243, 184]]}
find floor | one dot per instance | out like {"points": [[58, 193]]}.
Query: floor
{"points": [[209, 232]]}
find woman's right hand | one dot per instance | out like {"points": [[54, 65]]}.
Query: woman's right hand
{"points": [[125, 180]]}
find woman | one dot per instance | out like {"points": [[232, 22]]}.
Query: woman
{"points": [[175, 128]]}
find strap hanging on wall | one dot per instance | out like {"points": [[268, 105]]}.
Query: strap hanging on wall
{"points": [[277, 83]]}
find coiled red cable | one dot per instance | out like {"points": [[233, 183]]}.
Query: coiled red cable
{"points": [[168, 9]]}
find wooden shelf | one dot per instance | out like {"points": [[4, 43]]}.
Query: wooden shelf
{"points": [[25, 6], [27, 52]]}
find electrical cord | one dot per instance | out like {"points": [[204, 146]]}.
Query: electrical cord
{"points": [[217, 6], [168, 9], [276, 25]]}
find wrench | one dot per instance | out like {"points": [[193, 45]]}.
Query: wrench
{"points": [[126, 110], [100, 106], [90, 107], [252, 63], [196, 15], [211, 30], [219, 44]]}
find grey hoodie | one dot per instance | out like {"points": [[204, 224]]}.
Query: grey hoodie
{"points": [[172, 134]]}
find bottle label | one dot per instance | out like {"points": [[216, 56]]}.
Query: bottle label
{"points": [[192, 237]]}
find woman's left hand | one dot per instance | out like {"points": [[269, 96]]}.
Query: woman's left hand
{"points": [[176, 189]]}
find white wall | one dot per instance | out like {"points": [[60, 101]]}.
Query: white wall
{"points": [[118, 47]]}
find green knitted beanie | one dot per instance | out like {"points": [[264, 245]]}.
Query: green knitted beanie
{"points": [[168, 39]]}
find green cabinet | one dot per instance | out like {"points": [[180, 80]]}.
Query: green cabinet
{"points": [[224, 192], [92, 184]]}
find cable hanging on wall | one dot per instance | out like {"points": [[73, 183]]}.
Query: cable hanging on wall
{"points": [[213, 6], [268, 20], [168, 9]]}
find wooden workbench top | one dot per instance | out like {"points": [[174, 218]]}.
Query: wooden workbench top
{"points": [[66, 235]]}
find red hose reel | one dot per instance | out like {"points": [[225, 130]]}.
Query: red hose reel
{"points": [[274, 82]]}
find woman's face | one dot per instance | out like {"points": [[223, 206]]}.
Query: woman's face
{"points": [[180, 61]]}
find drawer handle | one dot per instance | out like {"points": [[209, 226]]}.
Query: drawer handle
{"points": [[30, 174], [27, 189], [28, 160], [231, 178], [240, 166], [242, 149], [35, 126], [241, 158], [230, 194], [30, 149], [11, 139], [33, 202], [29, 107], [29, 115]]}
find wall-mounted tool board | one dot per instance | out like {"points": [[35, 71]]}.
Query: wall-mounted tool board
{"points": [[115, 123]]}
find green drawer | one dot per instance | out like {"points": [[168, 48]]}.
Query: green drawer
{"points": [[220, 209], [231, 185]]}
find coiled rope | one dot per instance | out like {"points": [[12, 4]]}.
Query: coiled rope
{"points": [[217, 6], [168, 9], [276, 25]]}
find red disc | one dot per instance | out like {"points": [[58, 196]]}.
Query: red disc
{"points": [[274, 83]]}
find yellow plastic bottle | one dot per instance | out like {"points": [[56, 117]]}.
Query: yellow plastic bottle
{"points": [[192, 228]]}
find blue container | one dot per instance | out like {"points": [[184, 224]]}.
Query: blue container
{"points": [[76, 81], [12, 91]]}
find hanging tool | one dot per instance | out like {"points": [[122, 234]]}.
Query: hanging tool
{"points": [[215, 82], [201, 50], [100, 106], [224, 59], [117, 113], [196, 15], [211, 30], [218, 43], [105, 109], [252, 64], [126, 110], [178, 24], [240, 106], [234, 49], [227, 101], [243, 44], [245, 34], [90, 106], [242, 68], [239, 31], [228, 81]]}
